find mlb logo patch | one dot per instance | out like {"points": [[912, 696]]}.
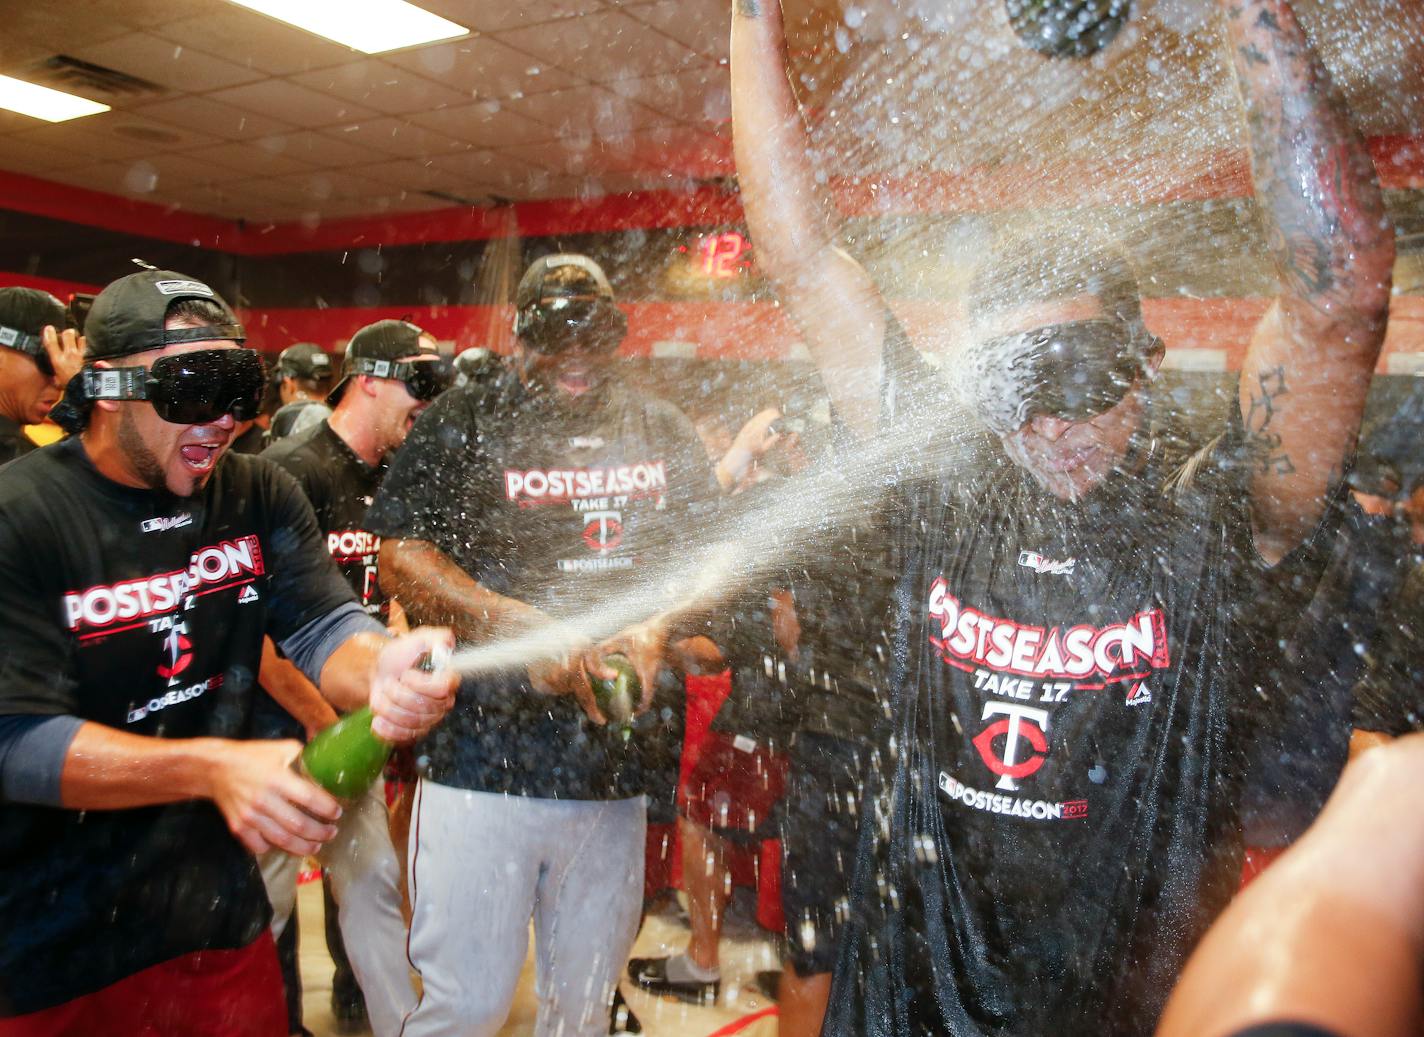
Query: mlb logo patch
{"points": [[184, 288]]}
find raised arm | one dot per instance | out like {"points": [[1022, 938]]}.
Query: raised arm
{"points": [[830, 296], [1309, 364]]}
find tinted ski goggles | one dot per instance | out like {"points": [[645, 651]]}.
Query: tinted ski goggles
{"points": [[1074, 371], [554, 326], [31, 345], [188, 388], [423, 379]]}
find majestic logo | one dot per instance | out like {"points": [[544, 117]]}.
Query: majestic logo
{"points": [[166, 522], [1021, 724], [1139, 694], [587, 443], [221, 565], [560, 485], [1046, 566], [178, 654], [1119, 651], [247, 595], [603, 531]]}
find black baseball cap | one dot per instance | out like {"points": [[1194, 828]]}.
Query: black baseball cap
{"points": [[24, 314], [304, 360], [128, 316], [378, 344]]}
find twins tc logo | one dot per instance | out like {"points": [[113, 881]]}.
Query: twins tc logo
{"points": [[1020, 724], [177, 654], [603, 530]]}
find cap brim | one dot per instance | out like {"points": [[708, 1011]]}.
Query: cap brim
{"points": [[334, 397]]}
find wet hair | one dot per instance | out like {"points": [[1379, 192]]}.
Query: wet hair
{"points": [[1033, 266]]}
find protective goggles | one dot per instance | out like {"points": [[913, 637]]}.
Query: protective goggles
{"points": [[31, 345], [187, 388], [1074, 371], [423, 379], [553, 326]]}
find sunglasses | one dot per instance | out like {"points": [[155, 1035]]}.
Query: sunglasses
{"points": [[31, 345], [188, 388], [423, 379], [1074, 371]]}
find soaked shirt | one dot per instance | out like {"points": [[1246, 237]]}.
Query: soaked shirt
{"points": [[1059, 822], [566, 506], [13, 441], [144, 612]]}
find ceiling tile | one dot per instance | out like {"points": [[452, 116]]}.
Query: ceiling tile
{"points": [[114, 135], [296, 103], [39, 30], [700, 96], [248, 160], [591, 111], [413, 175], [32, 158], [169, 64], [315, 187], [255, 41], [488, 123], [209, 116], [383, 87], [392, 136], [492, 17], [137, 13], [701, 25], [317, 149], [485, 68], [483, 171], [605, 46]]}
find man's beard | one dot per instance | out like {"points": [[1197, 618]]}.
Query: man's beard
{"points": [[145, 465]]}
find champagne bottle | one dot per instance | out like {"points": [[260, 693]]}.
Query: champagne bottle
{"points": [[618, 698], [346, 757]]}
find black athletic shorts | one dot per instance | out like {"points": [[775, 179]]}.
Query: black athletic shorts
{"points": [[820, 823]]}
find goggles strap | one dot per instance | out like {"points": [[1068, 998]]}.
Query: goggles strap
{"points": [[116, 383], [14, 338]]}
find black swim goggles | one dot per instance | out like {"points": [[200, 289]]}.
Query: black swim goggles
{"points": [[556, 325], [423, 379], [31, 345], [1074, 371], [187, 388]]}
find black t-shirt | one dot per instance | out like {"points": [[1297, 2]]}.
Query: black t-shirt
{"points": [[13, 441], [340, 487], [143, 612], [1060, 811], [564, 506], [1390, 695]]}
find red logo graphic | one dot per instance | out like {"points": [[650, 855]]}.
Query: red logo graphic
{"points": [[604, 531], [180, 654], [1020, 722]]}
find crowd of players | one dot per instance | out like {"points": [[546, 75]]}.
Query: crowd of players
{"points": [[1015, 713]]}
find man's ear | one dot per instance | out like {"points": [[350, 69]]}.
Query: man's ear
{"points": [[366, 383]]}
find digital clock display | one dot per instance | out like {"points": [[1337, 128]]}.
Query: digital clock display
{"points": [[725, 255]]}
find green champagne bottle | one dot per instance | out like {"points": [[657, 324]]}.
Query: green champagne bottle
{"points": [[618, 698], [346, 757]]}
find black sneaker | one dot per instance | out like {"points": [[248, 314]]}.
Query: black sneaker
{"points": [[651, 975], [621, 1019]]}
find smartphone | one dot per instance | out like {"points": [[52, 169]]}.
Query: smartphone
{"points": [[78, 311]]}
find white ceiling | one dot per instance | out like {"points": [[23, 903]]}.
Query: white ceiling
{"points": [[569, 98]]}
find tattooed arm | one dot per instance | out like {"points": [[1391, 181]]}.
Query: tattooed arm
{"points": [[828, 294], [1309, 364]]}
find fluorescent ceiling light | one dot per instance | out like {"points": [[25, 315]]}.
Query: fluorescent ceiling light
{"points": [[370, 26], [40, 102]]}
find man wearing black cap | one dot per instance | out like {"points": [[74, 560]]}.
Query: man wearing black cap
{"points": [[1059, 823], [302, 374], [39, 357], [389, 376], [141, 568], [516, 507]]}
